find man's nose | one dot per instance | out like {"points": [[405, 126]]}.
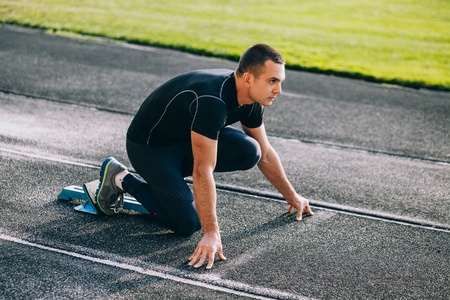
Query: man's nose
{"points": [[278, 89]]}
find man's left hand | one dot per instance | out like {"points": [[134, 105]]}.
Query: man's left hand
{"points": [[301, 204]]}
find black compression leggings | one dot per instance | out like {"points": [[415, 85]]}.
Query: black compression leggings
{"points": [[165, 194]]}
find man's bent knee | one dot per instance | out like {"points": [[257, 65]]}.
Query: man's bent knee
{"points": [[252, 154], [188, 227]]}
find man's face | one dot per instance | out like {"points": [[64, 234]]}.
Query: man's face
{"points": [[267, 86]]}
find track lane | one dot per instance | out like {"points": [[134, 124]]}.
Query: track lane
{"points": [[330, 255], [247, 192]]}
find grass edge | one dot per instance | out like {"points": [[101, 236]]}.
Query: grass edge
{"points": [[82, 35]]}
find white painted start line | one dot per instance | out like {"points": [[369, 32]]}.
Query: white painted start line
{"points": [[225, 286]]}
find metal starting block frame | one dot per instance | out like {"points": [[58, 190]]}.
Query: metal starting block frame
{"points": [[77, 192]]}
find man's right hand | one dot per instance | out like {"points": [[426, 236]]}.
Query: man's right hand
{"points": [[209, 245]]}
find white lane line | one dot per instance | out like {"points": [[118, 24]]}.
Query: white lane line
{"points": [[60, 160], [253, 291], [346, 210]]}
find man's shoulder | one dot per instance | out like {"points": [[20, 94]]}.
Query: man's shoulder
{"points": [[211, 72], [204, 82], [206, 76]]}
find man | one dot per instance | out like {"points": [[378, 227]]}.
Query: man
{"points": [[182, 129]]}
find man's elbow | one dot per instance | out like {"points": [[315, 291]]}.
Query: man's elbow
{"points": [[267, 157], [202, 171]]}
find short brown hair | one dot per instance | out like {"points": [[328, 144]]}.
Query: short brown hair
{"points": [[254, 58]]}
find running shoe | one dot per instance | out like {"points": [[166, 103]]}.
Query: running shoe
{"points": [[108, 193]]}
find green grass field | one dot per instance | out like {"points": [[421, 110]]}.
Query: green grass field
{"points": [[404, 42]]}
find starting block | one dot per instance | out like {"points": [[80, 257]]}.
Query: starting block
{"points": [[76, 192]]}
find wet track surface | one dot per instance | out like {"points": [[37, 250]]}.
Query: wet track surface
{"points": [[373, 160]]}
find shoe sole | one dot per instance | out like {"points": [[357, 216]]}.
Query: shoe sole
{"points": [[90, 188]]}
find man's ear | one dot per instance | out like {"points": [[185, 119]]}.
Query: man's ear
{"points": [[247, 78]]}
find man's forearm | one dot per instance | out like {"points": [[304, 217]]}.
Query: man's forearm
{"points": [[272, 169], [205, 200]]}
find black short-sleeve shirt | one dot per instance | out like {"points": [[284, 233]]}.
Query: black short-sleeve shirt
{"points": [[203, 101]]}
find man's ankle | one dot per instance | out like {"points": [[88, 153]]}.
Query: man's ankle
{"points": [[119, 178]]}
